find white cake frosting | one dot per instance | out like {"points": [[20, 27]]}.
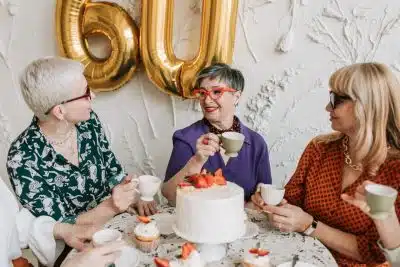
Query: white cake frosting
{"points": [[211, 215], [255, 260], [194, 260], [147, 230]]}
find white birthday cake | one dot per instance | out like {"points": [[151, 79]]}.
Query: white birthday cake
{"points": [[210, 210]]}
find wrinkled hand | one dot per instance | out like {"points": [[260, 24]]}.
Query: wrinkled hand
{"points": [[258, 201], [207, 145], [288, 218], [146, 208], [125, 194], [75, 235], [99, 257], [359, 199]]}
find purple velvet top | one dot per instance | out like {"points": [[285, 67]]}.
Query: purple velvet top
{"points": [[248, 169]]}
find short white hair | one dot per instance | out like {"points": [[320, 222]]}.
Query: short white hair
{"points": [[47, 82]]}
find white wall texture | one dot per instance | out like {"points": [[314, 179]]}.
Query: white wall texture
{"points": [[287, 50]]}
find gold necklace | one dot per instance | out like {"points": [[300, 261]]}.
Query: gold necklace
{"points": [[347, 158]]}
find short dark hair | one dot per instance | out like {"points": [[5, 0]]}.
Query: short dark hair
{"points": [[224, 73]]}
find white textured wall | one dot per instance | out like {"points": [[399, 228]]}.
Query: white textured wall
{"points": [[285, 93]]}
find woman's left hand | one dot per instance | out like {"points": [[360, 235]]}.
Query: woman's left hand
{"points": [[146, 208], [288, 218]]}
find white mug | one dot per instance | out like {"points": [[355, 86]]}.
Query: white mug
{"points": [[148, 186], [271, 194], [106, 236]]}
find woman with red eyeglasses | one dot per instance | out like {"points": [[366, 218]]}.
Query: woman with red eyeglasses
{"points": [[197, 147], [61, 165], [364, 109]]}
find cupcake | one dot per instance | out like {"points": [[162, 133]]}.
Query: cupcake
{"points": [[146, 234], [256, 257]]}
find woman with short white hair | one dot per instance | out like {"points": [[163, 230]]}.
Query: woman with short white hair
{"points": [[61, 165]]}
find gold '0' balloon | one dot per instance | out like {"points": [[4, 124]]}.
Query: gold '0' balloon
{"points": [[78, 19], [165, 70]]}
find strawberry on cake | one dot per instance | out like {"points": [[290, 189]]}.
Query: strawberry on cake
{"points": [[189, 258], [209, 209]]}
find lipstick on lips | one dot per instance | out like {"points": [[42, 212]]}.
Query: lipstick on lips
{"points": [[210, 109]]}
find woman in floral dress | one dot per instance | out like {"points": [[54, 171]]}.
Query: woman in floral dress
{"points": [[61, 165]]}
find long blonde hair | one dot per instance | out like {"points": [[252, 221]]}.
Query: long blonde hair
{"points": [[376, 94]]}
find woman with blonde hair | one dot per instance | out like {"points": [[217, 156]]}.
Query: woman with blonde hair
{"points": [[364, 110]]}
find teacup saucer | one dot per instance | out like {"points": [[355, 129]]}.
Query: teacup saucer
{"points": [[129, 257]]}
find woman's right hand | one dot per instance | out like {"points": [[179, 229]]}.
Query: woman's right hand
{"points": [[99, 257], [125, 194], [75, 235], [207, 145], [359, 198]]}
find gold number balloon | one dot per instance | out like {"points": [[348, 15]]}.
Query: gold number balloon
{"points": [[78, 19], [165, 70]]}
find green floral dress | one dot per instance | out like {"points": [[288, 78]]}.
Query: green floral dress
{"points": [[47, 184]]}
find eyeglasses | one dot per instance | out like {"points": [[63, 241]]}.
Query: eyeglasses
{"points": [[335, 99], [214, 93], [86, 95]]}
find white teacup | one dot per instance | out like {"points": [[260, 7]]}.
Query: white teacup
{"points": [[380, 199], [232, 142], [148, 187], [271, 194], [106, 236]]}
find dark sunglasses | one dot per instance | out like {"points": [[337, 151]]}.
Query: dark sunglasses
{"points": [[335, 99], [86, 95]]}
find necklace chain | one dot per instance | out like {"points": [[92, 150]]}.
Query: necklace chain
{"points": [[347, 159]]}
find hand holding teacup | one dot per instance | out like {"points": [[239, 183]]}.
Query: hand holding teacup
{"points": [[124, 194], [375, 200], [148, 187], [207, 145]]}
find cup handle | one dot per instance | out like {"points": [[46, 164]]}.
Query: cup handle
{"points": [[136, 182]]}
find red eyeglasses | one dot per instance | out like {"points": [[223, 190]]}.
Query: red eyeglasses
{"points": [[214, 93], [87, 95]]}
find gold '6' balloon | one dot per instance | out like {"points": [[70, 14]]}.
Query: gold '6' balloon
{"points": [[76, 19]]}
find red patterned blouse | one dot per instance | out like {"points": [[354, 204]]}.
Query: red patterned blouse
{"points": [[316, 187]]}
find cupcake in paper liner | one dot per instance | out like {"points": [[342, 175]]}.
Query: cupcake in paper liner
{"points": [[146, 235]]}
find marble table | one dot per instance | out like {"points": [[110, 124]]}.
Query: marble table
{"points": [[283, 246]]}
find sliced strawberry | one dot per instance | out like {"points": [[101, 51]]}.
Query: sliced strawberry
{"points": [[187, 248], [210, 179], [218, 172], [219, 180], [193, 178], [161, 262], [184, 184], [190, 246], [144, 219], [262, 252], [253, 251], [201, 183]]}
